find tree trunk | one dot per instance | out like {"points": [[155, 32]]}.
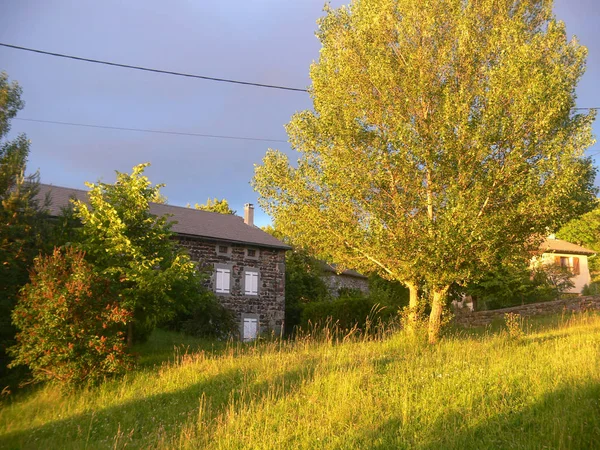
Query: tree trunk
{"points": [[413, 302], [129, 334], [435, 317]]}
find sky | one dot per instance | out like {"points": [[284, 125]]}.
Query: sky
{"points": [[263, 41]]}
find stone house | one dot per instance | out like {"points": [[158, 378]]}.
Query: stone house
{"points": [[247, 264], [348, 279]]}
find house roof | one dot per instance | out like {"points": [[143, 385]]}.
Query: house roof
{"points": [[186, 221], [551, 245], [332, 268]]}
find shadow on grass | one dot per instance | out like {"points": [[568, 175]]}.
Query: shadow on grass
{"points": [[146, 421], [568, 418]]}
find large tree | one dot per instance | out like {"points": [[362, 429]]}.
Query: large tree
{"points": [[20, 237], [443, 136]]}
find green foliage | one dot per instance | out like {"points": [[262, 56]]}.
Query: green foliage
{"points": [[510, 285], [133, 248], [216, 205], [22, 232], [388, 293], [70, 322], [591, 289], [348, 310], [303, 282], [208, 319], [432, 148]]}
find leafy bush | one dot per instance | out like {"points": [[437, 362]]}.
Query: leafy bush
{"points": [[389, 293], [349, 310], [511, 286], [591, 289], [134, 249], [303, 285], [70, 323], [207, 319]]}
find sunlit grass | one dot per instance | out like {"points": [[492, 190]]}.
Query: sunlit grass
{"points": [[474, 390]]}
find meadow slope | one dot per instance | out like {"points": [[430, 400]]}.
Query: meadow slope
{"points": [[472, 391]]}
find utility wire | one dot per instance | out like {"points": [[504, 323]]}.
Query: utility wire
{"points": [[143, 130], [147, 69], [170, 72]]}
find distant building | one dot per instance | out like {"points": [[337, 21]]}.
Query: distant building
{"points": [[348, 279], [570, 256], [247, 264]]}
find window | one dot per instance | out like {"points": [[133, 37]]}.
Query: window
{"points": [[570, 263], [222, 250], [251, 283], [222, 280], [251, 253]]}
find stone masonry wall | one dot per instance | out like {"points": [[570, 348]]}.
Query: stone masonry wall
{"points": [[335, 282], [467, 318], [269, 305]]}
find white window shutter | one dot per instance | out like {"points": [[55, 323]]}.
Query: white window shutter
{"points": [[226, 277], [251, 283], [222, 280], [219, 280]]}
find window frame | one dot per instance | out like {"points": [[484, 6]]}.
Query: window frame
{"points": [[256, 254], [220, 253]]}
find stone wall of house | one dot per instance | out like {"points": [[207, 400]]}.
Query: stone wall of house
{"points": [[335, 282], [269, 305], [467, 318]]}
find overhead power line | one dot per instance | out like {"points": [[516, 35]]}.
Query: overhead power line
{"points": [[147, 69], [144, 130]]}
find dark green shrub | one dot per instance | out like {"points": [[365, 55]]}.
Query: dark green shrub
{"points": [[70, 322], [388, 293], [349, 310], [591, 289], [208, 318], [303, 285], [510, 286]]}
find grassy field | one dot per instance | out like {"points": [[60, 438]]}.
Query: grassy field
{"points": [[475, 390]]}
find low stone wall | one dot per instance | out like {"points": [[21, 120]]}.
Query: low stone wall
{"points": [[467, 318]]}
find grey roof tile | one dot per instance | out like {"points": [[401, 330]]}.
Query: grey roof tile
{"points": [[187, 221]]}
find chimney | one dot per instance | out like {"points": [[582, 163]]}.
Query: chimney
{"points": [[249, 214]]}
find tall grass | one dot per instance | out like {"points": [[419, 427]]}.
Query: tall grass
{"points": [[326, 390]]}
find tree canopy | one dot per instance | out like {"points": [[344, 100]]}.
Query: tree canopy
{"points": [[131, 246], [442, 137], [216, 205], [20, 215]]}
